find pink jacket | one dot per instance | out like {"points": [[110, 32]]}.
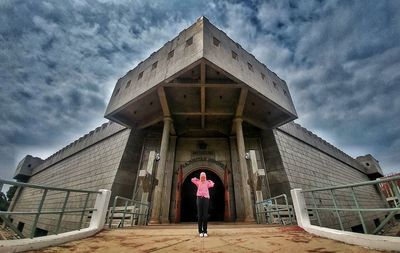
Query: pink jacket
{"points": [[202, 187]]}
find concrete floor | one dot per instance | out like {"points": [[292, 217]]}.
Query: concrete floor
{"points": [[222, 238]]}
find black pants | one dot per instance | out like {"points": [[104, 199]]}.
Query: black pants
{"points": [[202, 213]]}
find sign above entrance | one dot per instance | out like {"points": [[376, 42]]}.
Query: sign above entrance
{"points": [[203, 159]]}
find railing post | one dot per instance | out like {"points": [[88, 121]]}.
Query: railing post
{"points": [[337, 211], [123, 216], [112, 211], [300, 208], [33, 229], [396, 192], [277, 209], [359, 212], [84, 210], [315, 206], [99, 215], [62, 212], [288, 209]]}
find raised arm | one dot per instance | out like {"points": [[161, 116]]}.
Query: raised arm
{"points": [[195, 181], [210, 183]]}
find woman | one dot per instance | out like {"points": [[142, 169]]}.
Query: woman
{"points": [[203, 198]]}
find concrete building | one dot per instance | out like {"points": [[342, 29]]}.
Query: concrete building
{"points": [[202, 103]]}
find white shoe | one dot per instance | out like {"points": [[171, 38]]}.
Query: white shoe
{"points": [[201, 234], [205, 235]]}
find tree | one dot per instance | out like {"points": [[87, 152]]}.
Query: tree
{"points": [[3, 202], [10, 193]]}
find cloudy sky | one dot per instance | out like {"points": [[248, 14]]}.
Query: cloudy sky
{"points": [[59, 61]]}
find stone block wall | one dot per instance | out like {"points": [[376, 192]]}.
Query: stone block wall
{"points": [[293, 162], [90, 167]]}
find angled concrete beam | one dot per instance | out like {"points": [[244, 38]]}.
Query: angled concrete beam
{"points": [[240, 106], [165, 107]]}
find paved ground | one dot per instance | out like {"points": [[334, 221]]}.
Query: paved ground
{"points": [[222, 238]]}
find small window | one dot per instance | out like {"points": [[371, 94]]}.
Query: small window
{"points": [[367, 164], [285, 92], [216, 42], [20, 226], [40, 232], [234, 55], [275, 85], [128, 84], [170, 54], [140, 75], [154, 66], [262, 76], [116, 92], [189, 41], [250, 66]]}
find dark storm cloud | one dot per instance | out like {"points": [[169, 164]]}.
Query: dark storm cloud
{"points": [[60, 60]]}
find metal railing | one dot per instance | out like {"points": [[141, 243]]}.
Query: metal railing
{"points": [[392, 211], [267, 209], [135, 211], [4, 215]]}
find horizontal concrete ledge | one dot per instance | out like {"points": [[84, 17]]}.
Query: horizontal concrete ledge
{"points": [[21, 245], [378, 242]]}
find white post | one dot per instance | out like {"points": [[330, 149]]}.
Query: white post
{"points": [[101, 205], [300, 208]]}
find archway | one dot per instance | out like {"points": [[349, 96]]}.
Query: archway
{"points": [[188, 198]]}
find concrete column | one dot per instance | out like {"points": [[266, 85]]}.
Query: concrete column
{"points": [[169, 174], [157, 193], [248, 205], [237, 186]]}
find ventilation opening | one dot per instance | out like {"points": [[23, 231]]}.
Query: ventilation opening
{"points": [[154, 66], [170, 54], [140, 75], [234, 55], [250, 66], [216, 42], [189, 41]]}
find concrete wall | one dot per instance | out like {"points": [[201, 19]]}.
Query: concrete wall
{"points": [[166, 67], [90, 167], [222, 56], [293, 163]]}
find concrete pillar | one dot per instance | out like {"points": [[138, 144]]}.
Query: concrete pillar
{"points": [[237, 186], [157, 193], [169, 174], [248, 210]]}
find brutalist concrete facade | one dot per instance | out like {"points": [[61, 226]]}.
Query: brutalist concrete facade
{"points": [[201, 102]]}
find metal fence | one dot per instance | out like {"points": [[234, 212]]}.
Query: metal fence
{"points": [[274, 210], [4, 215], [135, 212], [390, 212]]}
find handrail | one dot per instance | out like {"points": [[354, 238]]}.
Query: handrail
{"points": [[391, 211], [124, 212], [2, 181], [275, 209], [5, 214], [377, 181]]}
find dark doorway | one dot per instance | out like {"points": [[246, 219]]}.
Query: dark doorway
{"points": [[188, 193]]}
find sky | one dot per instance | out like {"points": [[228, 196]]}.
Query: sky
{"points": [[60, 60]]}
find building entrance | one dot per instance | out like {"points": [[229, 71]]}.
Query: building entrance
{"points": [[188, 197]]}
